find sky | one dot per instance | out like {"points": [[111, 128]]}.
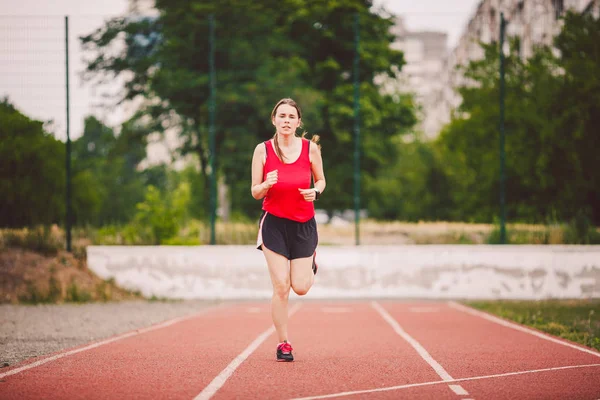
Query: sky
{"points": [[450, 16], [32, 65], [32, 60]]}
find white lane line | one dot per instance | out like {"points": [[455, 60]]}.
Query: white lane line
{"points": [[416, 345], [412, 385], [107, 341], [335, 310], [423, 309], [458, 390], [519, 327], [220, 379]]}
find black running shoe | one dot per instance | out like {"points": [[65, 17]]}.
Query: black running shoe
{"points": [[284, 351]]}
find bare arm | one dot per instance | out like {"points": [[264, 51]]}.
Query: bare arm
{"points": [[259, 187], [316, 166]]}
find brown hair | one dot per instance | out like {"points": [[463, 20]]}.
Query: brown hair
{"points": [[290, 102]]}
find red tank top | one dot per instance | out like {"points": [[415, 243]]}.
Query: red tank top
{"points": [[284, 199]]}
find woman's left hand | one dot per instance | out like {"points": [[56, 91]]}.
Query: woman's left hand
{"points": [[308, 194]]}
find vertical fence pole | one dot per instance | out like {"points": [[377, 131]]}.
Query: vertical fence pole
{"points": [[502, 145], [356, 130], [211, 131], [68, 155]]}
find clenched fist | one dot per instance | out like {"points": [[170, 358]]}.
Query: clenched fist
{"points": [[271, 179], [308, 194]]}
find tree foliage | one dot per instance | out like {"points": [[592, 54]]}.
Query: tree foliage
{"points": [[32, 170], [113, 184], [161, 214], [264, 51], [551, 121]]}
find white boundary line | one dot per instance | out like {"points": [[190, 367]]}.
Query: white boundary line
{"points": [[220, 379], [412, 385], [107, 341], [416, 345], [459, 390], [517, 327]]}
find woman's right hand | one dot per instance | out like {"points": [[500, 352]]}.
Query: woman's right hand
{"points": [[271, 179]]}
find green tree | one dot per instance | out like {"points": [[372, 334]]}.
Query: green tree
{"points": [[552, 107], [89, 155], [573, 160], [197, 188], [415, 187], [470, 143], [110, 162], [162, 214], [32, 171], [265, 51]]}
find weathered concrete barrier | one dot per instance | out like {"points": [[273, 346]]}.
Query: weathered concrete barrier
{"points": [[411, 271]]}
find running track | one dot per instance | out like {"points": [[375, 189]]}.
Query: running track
{"points": [[366, 350]]}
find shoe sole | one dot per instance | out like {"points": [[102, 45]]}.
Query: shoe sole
{"points": [[284, 358]]}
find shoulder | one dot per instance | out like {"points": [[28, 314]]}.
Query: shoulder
{"points": [[260, 149]]}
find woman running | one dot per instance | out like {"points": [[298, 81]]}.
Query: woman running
{"points": [[282, 168]]}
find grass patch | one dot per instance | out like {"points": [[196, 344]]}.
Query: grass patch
{"points": [[42, 239], [160, 299], [49, 240], [574, 320]]}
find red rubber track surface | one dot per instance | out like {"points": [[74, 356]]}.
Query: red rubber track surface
{"points": [[334, 352], [347, 350], [470, 346], [173, 362]]}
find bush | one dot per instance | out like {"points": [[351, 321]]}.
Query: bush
{"points": [[77, 295], [581, 231], [42, 239], [162, 214]]}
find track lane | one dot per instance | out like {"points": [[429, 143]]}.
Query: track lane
{"points": [[177, 361], [338, 347], [470, 346], [576, 383], [346, 349]]}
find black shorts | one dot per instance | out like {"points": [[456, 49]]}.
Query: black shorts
{"points": [[289, 238]]}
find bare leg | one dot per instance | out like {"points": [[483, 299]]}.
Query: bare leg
{"points": [[280, 278], [302, 275]]}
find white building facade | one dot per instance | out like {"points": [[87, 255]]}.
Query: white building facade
{"points": [[424, 53]]}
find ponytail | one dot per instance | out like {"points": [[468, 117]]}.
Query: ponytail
{"points": [[314, 139]]}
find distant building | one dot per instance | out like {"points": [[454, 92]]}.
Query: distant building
{"points": [[533, 21], [142, 7], [424, 53]]}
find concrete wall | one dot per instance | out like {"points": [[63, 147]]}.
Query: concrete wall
{"points": [[412, 271]]}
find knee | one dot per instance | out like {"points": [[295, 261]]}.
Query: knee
{"points": [[301, 289], [281, 289]]}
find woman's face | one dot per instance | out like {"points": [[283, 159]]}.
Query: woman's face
{"points": [[286, 119]]}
